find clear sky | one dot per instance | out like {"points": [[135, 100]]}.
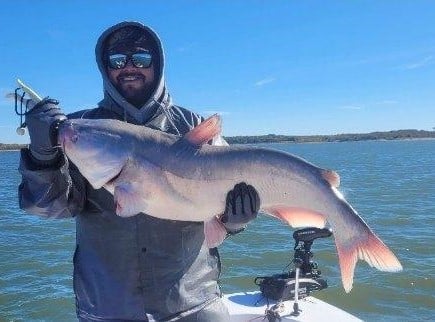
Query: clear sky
{"points": [[282, 67]]}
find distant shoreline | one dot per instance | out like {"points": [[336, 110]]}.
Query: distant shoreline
{"points": [[318, 142], [12, 147], [373, 136], [274, 138]]}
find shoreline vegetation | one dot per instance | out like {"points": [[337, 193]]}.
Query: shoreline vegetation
{"points": [[276, 138], [12, 147], [389, 135]]}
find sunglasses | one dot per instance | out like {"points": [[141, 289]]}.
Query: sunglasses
{"points": [[139, 60]]}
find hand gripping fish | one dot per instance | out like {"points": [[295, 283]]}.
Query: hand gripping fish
{"points": [[184, 178]]}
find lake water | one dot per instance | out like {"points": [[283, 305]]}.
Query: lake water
{"points": [[391, 184]]}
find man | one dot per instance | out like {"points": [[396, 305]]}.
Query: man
{"points": [[139, 268]]}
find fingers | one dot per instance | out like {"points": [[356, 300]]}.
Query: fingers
{"points": [[228, 207], [238, 199], [46, 109], [55, 112], [247, 201], [254, 199], [242, 203]]}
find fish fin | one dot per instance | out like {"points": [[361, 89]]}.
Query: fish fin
{"points": [[214, 232], [205, 131], [332, 177], [372, 250], [297, 217], [128, 201]]}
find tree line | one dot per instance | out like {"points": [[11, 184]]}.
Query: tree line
{"points": [[274, 138]]}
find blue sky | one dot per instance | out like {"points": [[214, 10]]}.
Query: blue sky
{"points": [[282, 67]]}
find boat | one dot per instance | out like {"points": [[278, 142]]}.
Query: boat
{"points": [[253, 306], [287, 296]]}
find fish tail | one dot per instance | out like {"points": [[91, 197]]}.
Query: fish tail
{"points": [[372, 250]]}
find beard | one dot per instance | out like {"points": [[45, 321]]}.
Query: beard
{"points": [[136, 93]]}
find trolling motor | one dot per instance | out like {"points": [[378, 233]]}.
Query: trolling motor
{"points": [[304, 264], [304, 278]]}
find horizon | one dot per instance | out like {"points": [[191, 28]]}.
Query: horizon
{"points": [[296, 136], [281, 67]]}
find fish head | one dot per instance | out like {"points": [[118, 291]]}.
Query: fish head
{"points": [[95, 147]]}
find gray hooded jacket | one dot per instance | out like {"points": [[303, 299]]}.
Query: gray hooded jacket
{"points": [[136, 268]]}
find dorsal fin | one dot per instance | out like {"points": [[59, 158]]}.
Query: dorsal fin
{"points": [[332, 177], [205, 131]]}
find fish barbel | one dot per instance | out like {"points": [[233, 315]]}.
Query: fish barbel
{"points": [[183, 178]]}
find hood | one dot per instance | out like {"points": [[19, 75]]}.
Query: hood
{"points": [[113, 100]]}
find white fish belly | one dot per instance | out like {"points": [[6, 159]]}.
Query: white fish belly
{"points": [[179, 198]]}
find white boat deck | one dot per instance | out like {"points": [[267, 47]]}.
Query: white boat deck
{"points": [[250, 306]]}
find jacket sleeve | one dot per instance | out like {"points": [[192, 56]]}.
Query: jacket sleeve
{"points": [[54, 191]]}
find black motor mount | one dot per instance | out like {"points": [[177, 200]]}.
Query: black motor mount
{"points": [[307, 235], [282, 286]]}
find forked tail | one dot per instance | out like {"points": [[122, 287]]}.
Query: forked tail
{"points": [[372, 250]]}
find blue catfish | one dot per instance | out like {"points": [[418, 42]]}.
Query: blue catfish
{"points": [[184, 178]]}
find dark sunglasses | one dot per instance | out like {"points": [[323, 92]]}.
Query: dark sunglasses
{"points": [[139, 60]]}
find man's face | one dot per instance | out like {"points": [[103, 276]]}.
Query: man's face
{"points": [[133, 83]]}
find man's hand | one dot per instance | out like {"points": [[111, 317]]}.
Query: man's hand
{"points": [[42, 122], [242, 205]]}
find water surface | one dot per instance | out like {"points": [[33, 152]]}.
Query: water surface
{"points": [[390, 183]]}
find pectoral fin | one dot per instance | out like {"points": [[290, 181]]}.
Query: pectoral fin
{"points": [[128, 199], [297, 217]]}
